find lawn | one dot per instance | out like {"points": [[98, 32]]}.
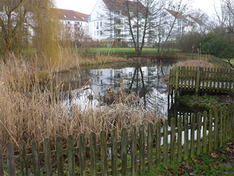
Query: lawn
{"points": [[122, 50]]}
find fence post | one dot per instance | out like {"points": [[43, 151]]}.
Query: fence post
{"points": [[35, 157], [23, 160], [1, 162]]}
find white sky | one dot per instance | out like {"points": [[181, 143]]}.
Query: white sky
{"points": [[86, 6]]}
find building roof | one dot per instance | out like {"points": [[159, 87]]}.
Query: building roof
{"points": [[120, 5], [71, 15], [196, 20], [176, 14]]}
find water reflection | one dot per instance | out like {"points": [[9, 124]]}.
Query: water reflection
{"points": [[143, 79]]}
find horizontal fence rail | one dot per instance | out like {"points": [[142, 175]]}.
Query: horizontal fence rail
{"points": [[199, 79], [135, 153]]}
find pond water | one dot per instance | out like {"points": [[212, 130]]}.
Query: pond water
{"points": [[88, 84], [147, 80]]}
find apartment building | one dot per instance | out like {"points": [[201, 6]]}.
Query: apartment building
{"points": [[75, 24], [108, 22]]}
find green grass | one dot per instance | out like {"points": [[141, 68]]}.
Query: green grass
{"points": [[127, 50], [204, 102]]}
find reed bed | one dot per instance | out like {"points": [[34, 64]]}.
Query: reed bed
{"points": [[193, 63], [31, 107]]}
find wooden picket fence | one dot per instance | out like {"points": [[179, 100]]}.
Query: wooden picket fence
{"points": [[199, 79], [134, 153]]}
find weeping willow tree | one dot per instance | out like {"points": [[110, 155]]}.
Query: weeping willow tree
{"points": [[27, 25]]}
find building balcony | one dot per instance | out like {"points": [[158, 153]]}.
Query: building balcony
{"points": [[119, 26]]}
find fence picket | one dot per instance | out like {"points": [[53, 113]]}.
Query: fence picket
{"points": [[186, 141], [221, 128], [124, 151], [172, 145], [204, 130], [93, 159], [1, 162], [216, 139], [165, 143], [133, 150], [82, 154], [35, 157], [47, 151], [142, 149], [71, 155], [23, 160], [150, 146], [225, 125], [192, 135], [210, 131], [198, 133], [158, 141], [59, 155], [10, 159], [179, 139], [114, 152], [103, 153]]}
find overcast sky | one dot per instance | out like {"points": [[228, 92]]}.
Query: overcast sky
{"points": [[86, 6]]}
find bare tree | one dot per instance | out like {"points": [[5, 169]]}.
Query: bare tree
{"points": [[133, 21], [175, 11], [141, 17]]}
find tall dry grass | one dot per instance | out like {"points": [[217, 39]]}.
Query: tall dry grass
{"points": [[31, 107]]}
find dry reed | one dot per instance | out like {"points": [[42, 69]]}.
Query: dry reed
{"points": [[31, 107], [193, 63]]}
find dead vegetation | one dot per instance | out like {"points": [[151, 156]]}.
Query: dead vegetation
{"points": [[193, 63], [31, 107]]}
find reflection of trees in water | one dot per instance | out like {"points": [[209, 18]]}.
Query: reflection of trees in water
{"points": [[145, 84]]}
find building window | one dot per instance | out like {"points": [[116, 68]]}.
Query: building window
{"points": [[100, 24], [97, 32], [100, 32]]}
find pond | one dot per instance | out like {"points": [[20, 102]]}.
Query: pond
{"points": [[147, 80]]}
